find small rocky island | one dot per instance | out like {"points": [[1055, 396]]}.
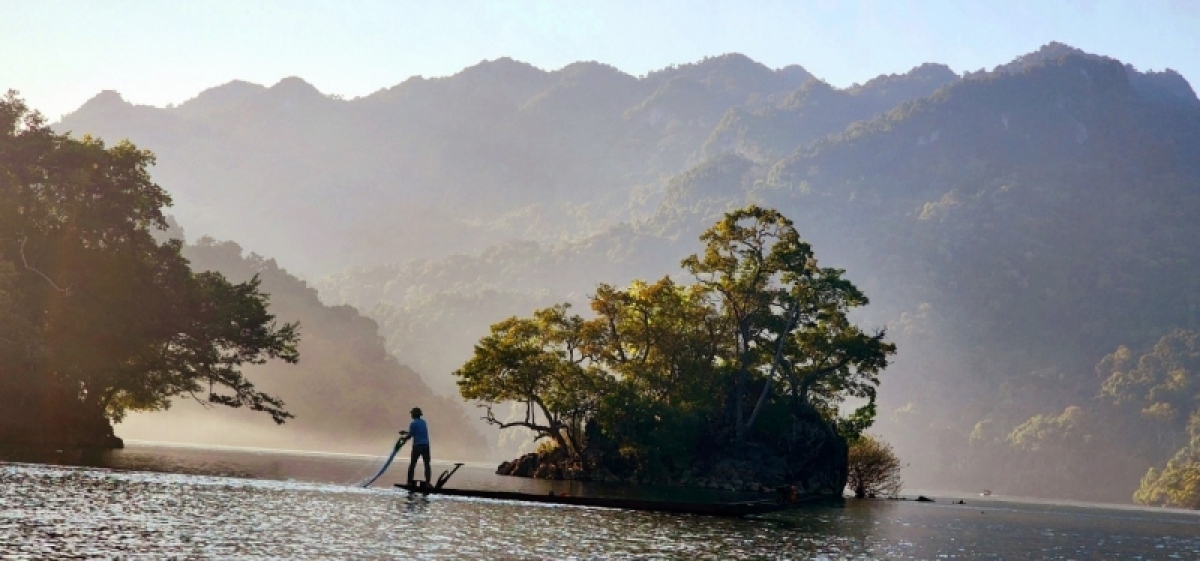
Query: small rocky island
{"points": [[731, 381], [820, 470]]}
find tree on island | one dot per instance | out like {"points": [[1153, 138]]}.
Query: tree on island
{"points": [[97, 318], [754, 359], [542, 365], [874, 468]]}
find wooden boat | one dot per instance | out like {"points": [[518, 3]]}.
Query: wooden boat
{"points": [[733, 509]]}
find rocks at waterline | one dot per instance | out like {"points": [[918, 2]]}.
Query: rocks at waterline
{"points": [[821, 472]]}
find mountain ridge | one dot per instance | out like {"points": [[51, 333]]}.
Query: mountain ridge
{"points": [[1012, 227]]}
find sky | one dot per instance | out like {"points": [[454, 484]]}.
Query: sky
{"points": [[58, 54]]}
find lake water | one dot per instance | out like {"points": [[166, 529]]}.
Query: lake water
{"points": [[160, 501]]}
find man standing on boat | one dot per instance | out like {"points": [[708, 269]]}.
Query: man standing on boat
{"points": [[419, 433]]}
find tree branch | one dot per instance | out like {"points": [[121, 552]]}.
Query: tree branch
{"points": [[810, 378], [492, 420], [762, 397], [24, 261]]}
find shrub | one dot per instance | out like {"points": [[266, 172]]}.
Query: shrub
{"points": [[874, 469]]}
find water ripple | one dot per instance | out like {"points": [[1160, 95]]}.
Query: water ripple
{"points": [[64, 512]]}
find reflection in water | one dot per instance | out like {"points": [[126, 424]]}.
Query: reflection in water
{"points": [[298, 506], [413, 504]]}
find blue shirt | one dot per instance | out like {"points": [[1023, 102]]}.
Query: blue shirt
{"points": [[418, 431]]}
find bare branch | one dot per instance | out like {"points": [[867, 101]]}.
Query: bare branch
{"points": [[492, 420], [24, 261], [203, 403]]}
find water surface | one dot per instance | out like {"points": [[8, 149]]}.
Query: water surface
{"points": [[157, 501]]}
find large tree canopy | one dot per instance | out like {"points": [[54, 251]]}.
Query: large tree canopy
{"points": [[663, 370], [97, 317], [541, 364], [786, 314]]}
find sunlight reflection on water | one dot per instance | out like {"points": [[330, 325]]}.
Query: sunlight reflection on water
{"points": [[60, 511]]}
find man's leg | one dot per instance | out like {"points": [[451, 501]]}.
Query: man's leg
{"points": [[428, 472], [412, 462]]}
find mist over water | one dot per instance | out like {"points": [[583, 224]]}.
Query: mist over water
{"points": [[300, 506], [1012, 228]]}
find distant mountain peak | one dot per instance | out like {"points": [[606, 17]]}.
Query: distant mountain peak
{"points": [[795, 75], [731, 62], [1161, 87], [235, 86], [106, 101], [933, 69], [106, 98], [589, 67], [1048, 52], [226, 94], [293, 86], [731, 58], [503, 66], [920, 77], [1057, 49]]}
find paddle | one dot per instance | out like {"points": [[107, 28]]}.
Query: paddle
{"points": [[395, 449]]}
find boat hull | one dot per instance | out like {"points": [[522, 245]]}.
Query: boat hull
{"points": [[730, 509]]}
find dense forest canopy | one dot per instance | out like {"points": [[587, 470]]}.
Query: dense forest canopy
{"points": [[107, 316], [99, 318], [759, 352], [1013, 226]]}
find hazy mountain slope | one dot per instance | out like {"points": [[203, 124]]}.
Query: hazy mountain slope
{"points": [[1041, 217], [501, 150], [1012, 229], [347, 392], [815, 110]]}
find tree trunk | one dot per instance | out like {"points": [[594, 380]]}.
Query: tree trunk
{"points": [[762, 397]]}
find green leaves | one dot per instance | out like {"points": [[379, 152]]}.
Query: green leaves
{"points": [[787, 315], [540, 364], [1162, 387], [1165, 379], [663, 367], [92, 307], [1178, 484]]}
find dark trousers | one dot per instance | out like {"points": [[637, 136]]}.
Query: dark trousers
{"points": [[419, 451]]}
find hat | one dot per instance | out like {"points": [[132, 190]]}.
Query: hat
{"points": [[416, 411]]}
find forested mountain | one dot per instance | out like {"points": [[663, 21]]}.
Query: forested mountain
{"points": [[1025, 234], [499, 151], [348, 394]]}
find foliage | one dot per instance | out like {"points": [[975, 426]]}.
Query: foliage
{"points": [[662, 342], [1016, 225], [874, 468], [1159, 392], [348, 394], [1178, 484], [786, 315], [541, 364], [98, 316], [1050, 432], [662, 371], [1164, 383]]}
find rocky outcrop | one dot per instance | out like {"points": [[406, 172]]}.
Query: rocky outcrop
{"points": [[42, 420], [815, 463], [545, 465]]}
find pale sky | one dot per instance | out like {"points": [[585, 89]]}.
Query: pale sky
{"points": [[58, 54]]}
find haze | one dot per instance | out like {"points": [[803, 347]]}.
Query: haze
{"points": [[60, 53], [1013, 184]]}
